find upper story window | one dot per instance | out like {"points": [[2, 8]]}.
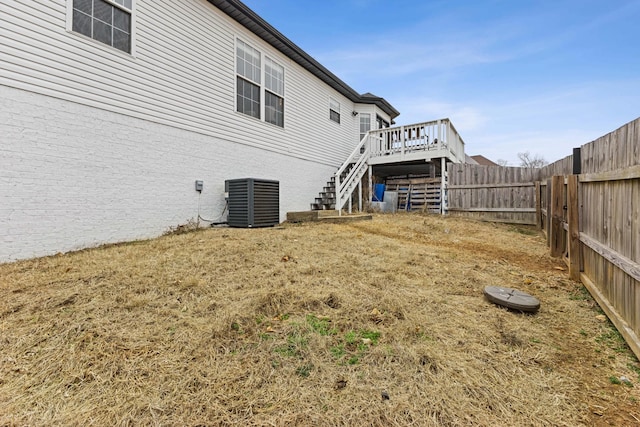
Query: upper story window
{"points": [[107, 21], [250, 90], [249, 69], [334, 110], [274, 93]]}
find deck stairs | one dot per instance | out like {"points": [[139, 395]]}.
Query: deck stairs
{"points": [[336, 195], [326, 199], [426, 141]]}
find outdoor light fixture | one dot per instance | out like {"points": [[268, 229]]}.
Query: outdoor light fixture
{"points": [[354, 113]]}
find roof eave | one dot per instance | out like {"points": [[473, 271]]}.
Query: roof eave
{"points": [[254, 23], [381, 103]]}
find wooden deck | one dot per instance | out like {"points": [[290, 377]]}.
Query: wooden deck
{"points": [[433, 141]]}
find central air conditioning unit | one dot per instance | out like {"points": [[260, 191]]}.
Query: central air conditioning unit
{"points": [[253, 202]]}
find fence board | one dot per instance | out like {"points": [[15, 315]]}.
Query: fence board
{"points": [[557, 232], [616, 150], [623, 327], [573, 213], [627, 265], [493, 193], [608, 222]]}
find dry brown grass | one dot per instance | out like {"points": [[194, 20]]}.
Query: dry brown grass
{"points": [[309, 325]]}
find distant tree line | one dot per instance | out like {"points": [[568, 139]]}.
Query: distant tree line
{"points": [[527, 160]]}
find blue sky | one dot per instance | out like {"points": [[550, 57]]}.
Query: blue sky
{"points": [[512, 75]]}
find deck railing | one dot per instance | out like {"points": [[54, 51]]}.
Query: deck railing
{"points": [[433, 135], [427, 136]]}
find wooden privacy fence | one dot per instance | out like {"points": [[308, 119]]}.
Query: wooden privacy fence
{"points": [[588, 206], [592, 220], [493, 193]]}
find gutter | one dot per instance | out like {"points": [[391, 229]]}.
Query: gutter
{"points": [[254, 23]]}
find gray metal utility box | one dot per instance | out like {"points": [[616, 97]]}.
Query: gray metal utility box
{"points": [[253, 202]]}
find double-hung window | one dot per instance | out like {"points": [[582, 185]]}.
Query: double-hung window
{"points": [[274, 93], [334, 110], [107, 21], [249, 87], [249, 71]]}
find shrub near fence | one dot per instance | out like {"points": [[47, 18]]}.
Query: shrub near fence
{"points": [[591, 216]]}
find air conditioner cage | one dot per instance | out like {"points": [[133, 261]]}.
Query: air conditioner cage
{"points": [[253, 202]]}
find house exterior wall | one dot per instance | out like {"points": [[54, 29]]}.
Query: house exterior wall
{"points": [[182, 74], [99, 146], [68, 183]]}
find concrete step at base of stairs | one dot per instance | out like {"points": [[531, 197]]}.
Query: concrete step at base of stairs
{"points": [[331, 216]]}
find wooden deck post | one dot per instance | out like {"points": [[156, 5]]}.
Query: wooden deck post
{"points": [[573, 218], [360, 196], [557, 214], [370, 173]]}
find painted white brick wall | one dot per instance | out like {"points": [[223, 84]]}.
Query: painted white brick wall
{"points": [[73, 176]]}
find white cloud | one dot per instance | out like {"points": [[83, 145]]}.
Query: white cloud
{"points": [[424, 109], [385, 59]]}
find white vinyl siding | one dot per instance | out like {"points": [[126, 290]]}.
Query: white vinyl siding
{"points": [[183, 74]]}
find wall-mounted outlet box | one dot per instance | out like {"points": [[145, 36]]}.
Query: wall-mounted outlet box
{"points": [[199, 185]]}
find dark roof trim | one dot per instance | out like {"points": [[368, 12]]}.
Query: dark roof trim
{"points": [[254, 23]]}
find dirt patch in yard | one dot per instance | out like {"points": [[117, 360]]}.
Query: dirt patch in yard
{"points": [[378, 323]]}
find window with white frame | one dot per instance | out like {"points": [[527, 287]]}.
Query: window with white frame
{"points": [[249, 69], [274, 93], [107, 21], [365, 124], [249, 88], [334, 110]]}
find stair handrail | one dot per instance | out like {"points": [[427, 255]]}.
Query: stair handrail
{"points": [[354, 172], [359, 157], [355, 153]]}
